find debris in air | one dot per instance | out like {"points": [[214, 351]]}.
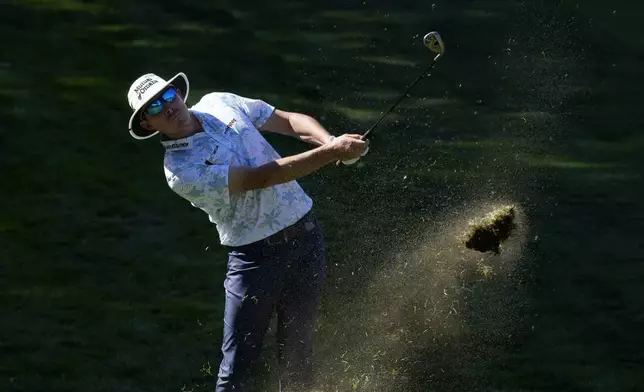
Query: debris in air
{"points": [[486, 234]]}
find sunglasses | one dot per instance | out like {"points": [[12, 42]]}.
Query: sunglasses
{"points": [[155, 107]]}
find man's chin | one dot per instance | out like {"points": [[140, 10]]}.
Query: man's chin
{"points": [[172, 133], [174, 118], [179, 121]]}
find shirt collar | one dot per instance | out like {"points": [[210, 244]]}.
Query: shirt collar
{"points": [[210, 125]]}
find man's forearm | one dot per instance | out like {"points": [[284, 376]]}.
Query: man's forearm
{"points": [[308, 129], [280, 171], [296, 166]]}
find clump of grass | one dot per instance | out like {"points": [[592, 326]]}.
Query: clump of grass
{"points": [[486, 234]]}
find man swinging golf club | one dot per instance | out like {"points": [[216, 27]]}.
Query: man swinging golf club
{"points": [[217, 159]]}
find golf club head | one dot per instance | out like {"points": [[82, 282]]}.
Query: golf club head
{"points": [[434, 42]]}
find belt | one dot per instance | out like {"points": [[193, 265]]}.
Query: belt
{"points": [[288, 233]]}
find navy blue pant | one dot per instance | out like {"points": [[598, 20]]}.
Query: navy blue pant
{"points": [[285, 274]]}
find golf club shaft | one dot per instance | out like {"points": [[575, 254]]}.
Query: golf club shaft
{"points": [[431, 65]]}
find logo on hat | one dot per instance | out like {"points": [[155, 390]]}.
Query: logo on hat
{"points": [[143, 86]]}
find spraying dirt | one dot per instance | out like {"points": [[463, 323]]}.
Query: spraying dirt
{"points": [[486, 234]]}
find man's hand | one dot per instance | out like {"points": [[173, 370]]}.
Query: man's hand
{"points": [[350, 147]]}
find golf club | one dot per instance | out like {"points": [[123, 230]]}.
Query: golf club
{"points": [[433, 42]]}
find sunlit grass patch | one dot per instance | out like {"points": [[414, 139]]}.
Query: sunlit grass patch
{"points": [[379, 94], [325, 37], [165, 42], [72, 97], [351, 16], [42, 292], [362, 114], [632, 144], [198, 28], [552, 161], [612, 177], [530, 116], [473, 143], [330, 37], [342, 16], [116, 28], [14, 93], [426, 103], [351, 44], [67, 5], [388, 60]]}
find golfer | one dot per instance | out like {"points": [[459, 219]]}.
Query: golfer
{"points": [[217, 159]]}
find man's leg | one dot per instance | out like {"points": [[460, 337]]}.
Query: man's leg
{"points": [[252, 283], [296, 311]]}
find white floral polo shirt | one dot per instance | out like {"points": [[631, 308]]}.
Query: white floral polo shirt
{"points": [[196, 168]]}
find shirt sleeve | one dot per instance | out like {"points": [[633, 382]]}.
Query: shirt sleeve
{"points": [[205, 186], [257, 110]]}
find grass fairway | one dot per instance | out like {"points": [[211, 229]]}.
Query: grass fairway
{"points": [[110, 282]]}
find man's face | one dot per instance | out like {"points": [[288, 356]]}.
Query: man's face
{"points": [[167, 113]]}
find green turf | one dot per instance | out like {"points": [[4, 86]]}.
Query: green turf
{"points": [[112, 283]]}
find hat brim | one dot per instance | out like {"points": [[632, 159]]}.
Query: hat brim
{"points": [[180, 81]]}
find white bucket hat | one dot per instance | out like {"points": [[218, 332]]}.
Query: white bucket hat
{"points": [[144, 90]]}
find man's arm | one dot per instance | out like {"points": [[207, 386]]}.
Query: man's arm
{"points": [[243, 179], [298, 125]]}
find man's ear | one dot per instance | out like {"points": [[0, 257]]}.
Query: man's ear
{"points": [[146, 125]]}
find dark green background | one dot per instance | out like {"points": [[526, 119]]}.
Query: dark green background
{"points": [[110, 282]]}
